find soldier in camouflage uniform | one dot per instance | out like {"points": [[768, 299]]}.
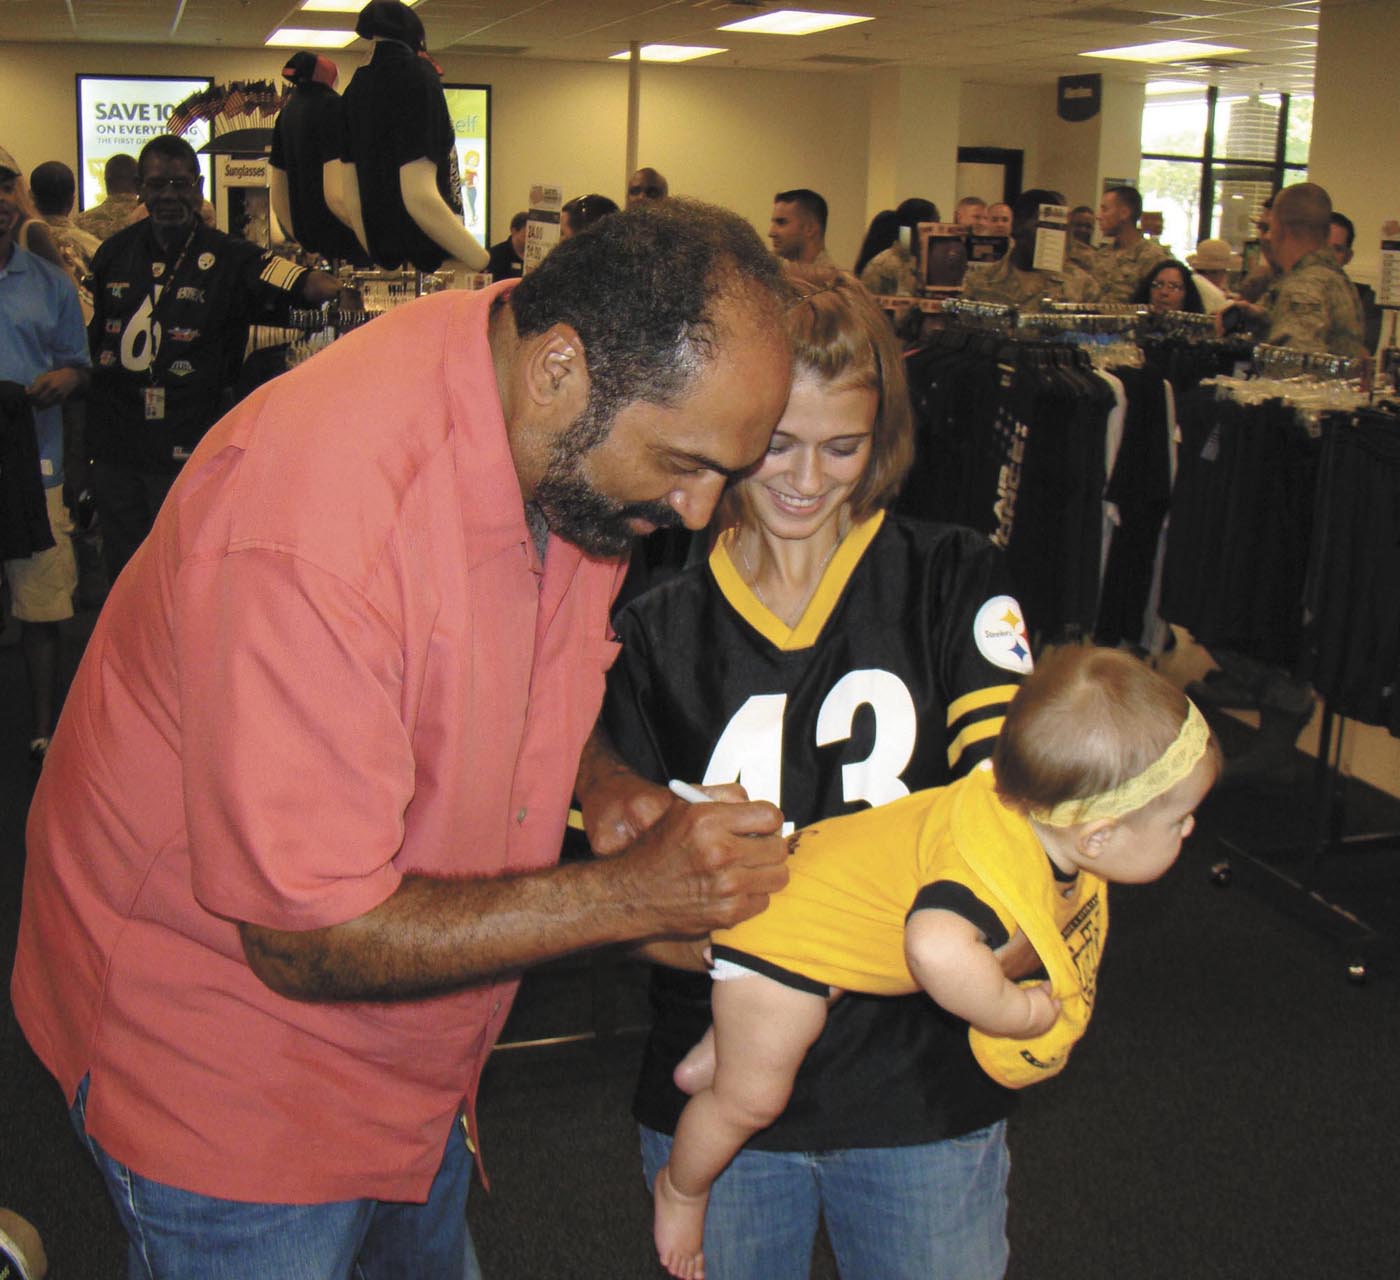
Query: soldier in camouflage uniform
{"points": [[1127, 256], [1014, 280], [120, 180], [1310, 305]]}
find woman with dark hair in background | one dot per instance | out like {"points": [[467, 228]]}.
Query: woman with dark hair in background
{"points": [[1169, 287], [879, 235], [895, 270]]}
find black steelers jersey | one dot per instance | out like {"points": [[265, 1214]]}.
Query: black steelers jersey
{"points": [[896, 678], [188, 343]]}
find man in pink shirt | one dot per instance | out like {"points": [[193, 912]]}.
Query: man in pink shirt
{"points": [[298, 824]]}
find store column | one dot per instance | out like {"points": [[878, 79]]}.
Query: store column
{"points": [[1076, 156], [913, 138], [1356, 120]]}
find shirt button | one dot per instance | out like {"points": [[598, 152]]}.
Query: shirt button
{"points": [[520, 817]]}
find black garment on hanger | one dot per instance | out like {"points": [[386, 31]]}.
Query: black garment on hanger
{"points": [[1352, 634], [1140, 487], [310, 132], [24, 511], [1009, 440], [1241, 526], [396, 112]]}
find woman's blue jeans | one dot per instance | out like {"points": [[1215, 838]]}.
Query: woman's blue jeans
{"points": [[930, 1212]]}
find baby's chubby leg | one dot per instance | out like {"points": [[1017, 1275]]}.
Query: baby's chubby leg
{"points": [[696, 1070], [762, 1031]]}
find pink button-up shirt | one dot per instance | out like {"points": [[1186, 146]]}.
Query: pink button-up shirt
{"points": [[337, 659]]}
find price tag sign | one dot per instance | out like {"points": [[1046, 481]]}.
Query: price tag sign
{"points": [[542, 230], [1388, 287], [1051, 236]]}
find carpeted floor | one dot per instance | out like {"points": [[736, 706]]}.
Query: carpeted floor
{"points": [[1230, 1114]]}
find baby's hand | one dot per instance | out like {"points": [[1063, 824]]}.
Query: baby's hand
{"points": [[1041, 1011]]}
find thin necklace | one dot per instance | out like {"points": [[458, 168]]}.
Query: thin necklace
{"points": [[821, 569]]}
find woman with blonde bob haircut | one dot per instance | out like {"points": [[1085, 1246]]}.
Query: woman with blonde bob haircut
{"points": [[827, 657]]}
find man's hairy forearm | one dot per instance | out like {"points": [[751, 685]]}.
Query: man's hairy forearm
{"points": [[693, 869], [434, 935]]}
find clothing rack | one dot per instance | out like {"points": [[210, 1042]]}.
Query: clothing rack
{"points": [[1284, 362], [987, 317], [1359, 857], [1096, 308], [1190, 325], [1020, 434], [1093, 324]]}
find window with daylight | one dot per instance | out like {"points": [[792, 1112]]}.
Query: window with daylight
{"points": [[1211, 157]]}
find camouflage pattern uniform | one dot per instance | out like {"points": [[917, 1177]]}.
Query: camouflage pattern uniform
{"points": [[1313, 307], [108, 217], [1082, 255], [1003, 282], [892, 272], [1120, 271]]}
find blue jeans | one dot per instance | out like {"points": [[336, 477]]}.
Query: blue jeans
{"points": [[178, 1235], [931, 1212]]}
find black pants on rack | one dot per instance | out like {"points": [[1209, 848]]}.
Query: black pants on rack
{"points": [[1352, 639]]}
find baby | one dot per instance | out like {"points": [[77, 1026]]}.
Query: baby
{"points": [[1095, 778]]}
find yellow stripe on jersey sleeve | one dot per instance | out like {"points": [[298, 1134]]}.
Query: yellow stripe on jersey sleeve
{"points": [[980, 700], [280, 273], [979, 731], [576, 819]]}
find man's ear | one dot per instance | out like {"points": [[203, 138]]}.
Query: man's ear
{"points": [[1094, 838], [556, 370]]}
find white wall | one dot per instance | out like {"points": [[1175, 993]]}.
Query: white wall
{"points": [[1001, 115]]}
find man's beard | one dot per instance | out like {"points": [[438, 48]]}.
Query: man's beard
{"points": [[577, 512]]}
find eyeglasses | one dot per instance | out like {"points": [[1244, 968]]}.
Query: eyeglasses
{"points": [[168, 184]]}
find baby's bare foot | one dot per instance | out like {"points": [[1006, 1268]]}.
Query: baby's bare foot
{"points": [[679, 1228]]}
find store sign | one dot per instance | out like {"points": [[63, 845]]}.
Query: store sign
{"points": [[469, 105], [119, 114], [1079, 97]]}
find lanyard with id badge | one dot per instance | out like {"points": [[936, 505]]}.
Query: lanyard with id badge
{"points": [[155, 393]]}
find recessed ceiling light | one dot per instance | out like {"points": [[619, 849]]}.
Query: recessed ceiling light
{"points": [[794, 22], [309, 38], [1162, 51], [668, 53]]}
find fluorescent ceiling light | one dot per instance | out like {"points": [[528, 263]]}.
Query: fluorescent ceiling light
{"points": [[309, 38], [1162, 51], [794, 22], [668, 53], [339, 6]]}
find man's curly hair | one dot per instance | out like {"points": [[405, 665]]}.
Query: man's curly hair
{"points": [[640, 289]]}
